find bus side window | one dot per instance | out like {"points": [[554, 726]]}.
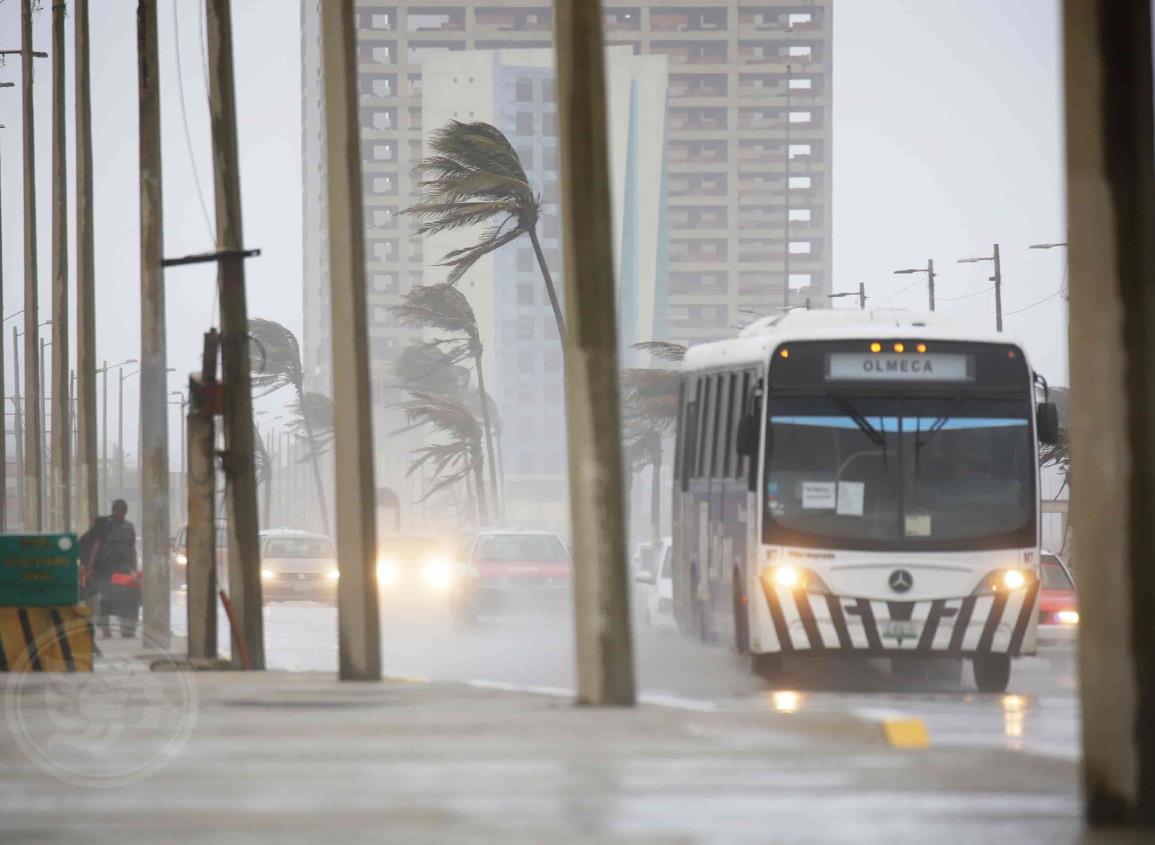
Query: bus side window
{"points": [[706, 430], [739, 387], [680, 432], [721, 426], [732, 416], [690, 436]]}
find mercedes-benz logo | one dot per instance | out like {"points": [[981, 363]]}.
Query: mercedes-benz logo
{"points": [[900, 581]]}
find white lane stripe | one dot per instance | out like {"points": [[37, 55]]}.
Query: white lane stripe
{"points": [[656, 699]]}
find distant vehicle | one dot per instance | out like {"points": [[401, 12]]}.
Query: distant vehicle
{"points": [[508, 563], [861, 483], [298, 565], [658, 595], [178, 559], [1058, 601], [416, 570]]}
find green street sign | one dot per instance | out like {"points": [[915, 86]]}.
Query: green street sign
{"points": [[38, 570]]}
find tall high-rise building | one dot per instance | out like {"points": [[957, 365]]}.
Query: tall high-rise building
{"points": [[746, 159]]}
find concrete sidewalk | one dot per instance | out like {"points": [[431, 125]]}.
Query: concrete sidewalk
{"points": [[125, 756]]}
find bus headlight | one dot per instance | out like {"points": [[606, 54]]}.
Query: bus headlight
{"points": [[387, 573], [1013, 579], [180, 559], [438, 575], [1004, 581], [1068, 617], [333, 574], [789, 577], [268, 575]]}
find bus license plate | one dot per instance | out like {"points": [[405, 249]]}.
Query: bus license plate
{"points": [[900, 631]]}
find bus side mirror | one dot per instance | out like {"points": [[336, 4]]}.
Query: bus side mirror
{"points": [[1047, 423]]}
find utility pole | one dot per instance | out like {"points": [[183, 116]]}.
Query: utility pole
{"points": [[153, 403], [33, 486], [104, 430], [244, 520], [201, 567], [18, 424], [61, 517], [605, 662], [786, 199], [3, 429], [930, 275], [358, 622], [46, 514], [87, 489], [997, 278]]}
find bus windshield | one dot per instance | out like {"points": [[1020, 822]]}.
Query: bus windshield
{"points": [[889, 473]]}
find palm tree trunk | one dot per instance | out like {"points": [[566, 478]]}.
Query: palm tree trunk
{"points": [[549, 288], [488, 437], [656, 496], [479, 485], [316, 465]]}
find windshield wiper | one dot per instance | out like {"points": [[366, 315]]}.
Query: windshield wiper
{"points": [[919, 442], [873, 434]]}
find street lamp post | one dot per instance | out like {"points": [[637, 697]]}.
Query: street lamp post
{"points": [[1063, 244], [930, 275], [997, 278], [104, 417], [861, 294]]}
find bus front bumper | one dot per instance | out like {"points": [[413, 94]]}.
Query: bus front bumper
{"points": [[791, 620]]}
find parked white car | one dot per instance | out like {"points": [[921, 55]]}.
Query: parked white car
{"points": [[658, 587]]}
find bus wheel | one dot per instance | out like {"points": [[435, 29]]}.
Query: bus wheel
{"points": [[992, 672], [741, 617], [768, 667]]}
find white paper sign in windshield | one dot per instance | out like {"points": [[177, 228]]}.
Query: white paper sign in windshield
{"points": [[853, 366]]}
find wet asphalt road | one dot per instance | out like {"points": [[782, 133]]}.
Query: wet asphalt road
{"points": [[533, 648]]}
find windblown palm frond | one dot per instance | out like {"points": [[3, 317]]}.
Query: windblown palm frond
{"points": [[663, 350], [441, 307], [650, 396], [275, 356], [314, 419], [428, 368], [473, 176]]}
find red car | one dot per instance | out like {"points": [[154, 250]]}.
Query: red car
{"points": [[510, 564], [1058, 601]]}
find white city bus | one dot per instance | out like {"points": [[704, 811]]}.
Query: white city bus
{"points": [[860, 483]]}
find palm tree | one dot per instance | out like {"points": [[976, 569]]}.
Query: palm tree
{"points": [[454, 460], [443, 307], [424, 366], [474, 177], [649, 415], [276, 363]]}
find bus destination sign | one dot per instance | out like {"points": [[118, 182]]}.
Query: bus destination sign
{"points": [[885, 366]]}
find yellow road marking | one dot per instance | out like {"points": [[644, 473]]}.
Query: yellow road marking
{"points": [[906, 733]]}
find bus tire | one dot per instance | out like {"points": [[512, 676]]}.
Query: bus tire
{"points": [[992, 672], [768, 667], [741, 616]]}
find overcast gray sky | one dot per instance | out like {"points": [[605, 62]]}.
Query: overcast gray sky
{"points": [[947, 138]]}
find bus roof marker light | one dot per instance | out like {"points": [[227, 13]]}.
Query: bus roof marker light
{"points": [[876, 347], [900, 347], [920, 348], [783, 352]]}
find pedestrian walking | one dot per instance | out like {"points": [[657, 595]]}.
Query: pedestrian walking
{"points": [[111, 576]]}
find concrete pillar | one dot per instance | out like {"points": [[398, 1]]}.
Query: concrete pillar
{"points": [[605, 663], [1111, 211], [358, 625]]}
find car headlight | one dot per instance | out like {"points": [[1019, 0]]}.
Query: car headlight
{"points": [[333, 574], [439, 575], [1068, 617], [268, 575], [1004, 581], [181, 560], [387, 573]]}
